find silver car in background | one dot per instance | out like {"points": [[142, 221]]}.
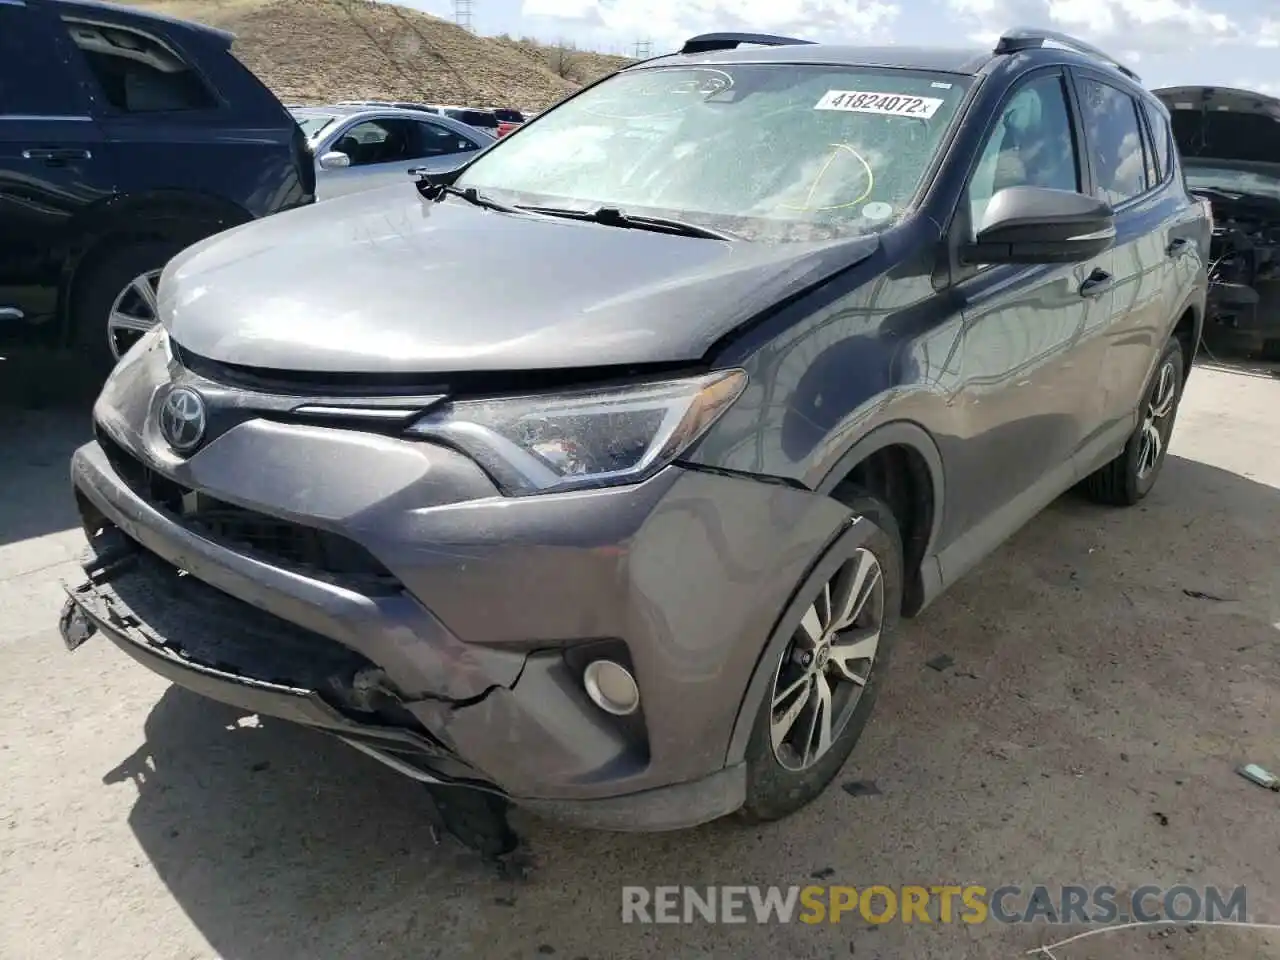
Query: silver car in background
{"points": [[358, 148]]}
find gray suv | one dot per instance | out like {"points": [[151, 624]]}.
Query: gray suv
{"points": [[776, 343]]}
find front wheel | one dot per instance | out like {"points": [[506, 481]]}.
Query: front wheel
{"points": [[825, 678], [1129, 477]]}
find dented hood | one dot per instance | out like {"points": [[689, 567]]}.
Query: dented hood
{"points": [[385, 281]]}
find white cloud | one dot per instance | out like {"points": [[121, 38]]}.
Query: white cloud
{"points": [[1148, 26], [668, 22], [1268, 33]]}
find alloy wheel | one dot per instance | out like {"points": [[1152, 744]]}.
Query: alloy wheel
{"points": [[824, 670], [1158, 422], [133, 312]]}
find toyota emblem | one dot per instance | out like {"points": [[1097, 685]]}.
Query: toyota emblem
{"points": [[182, 419]]}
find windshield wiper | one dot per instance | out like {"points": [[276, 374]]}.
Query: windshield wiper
{"points": [[437, 192], [613, 217]]}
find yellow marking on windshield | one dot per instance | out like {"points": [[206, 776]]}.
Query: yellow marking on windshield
{"points": [[835, 152]]}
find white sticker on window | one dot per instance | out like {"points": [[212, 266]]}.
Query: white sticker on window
{"points": [[939, 85], [886, 104], [876, 210]]}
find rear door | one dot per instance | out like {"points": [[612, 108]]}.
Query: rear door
{"points": [[1121, 344], [52, 163]]}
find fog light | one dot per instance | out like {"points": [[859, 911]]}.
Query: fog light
{"points": [[611, 687]]}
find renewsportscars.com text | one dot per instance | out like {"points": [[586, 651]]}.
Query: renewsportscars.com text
{"points": [[941, 903]]}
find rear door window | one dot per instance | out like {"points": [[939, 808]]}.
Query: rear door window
{"points": [[136, 72], [437, 141], [1115, 140], [27, 48]]}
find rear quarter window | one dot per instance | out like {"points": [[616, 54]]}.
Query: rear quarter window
{"points": [[136, 72]]}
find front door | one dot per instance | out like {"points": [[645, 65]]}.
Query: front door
{"points": [[53, 163], [1024, 397]]}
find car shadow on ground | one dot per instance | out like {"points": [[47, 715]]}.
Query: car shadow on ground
{"points": [[280, 842], [45, 403]]}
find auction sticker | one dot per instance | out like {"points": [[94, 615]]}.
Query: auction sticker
{"points": [[885, 104]]}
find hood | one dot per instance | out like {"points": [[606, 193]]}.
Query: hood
{"points": [[384, 281], [1222, 123]]}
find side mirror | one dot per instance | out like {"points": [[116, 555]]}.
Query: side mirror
{"points": [[1038, 225], [335, 160]]}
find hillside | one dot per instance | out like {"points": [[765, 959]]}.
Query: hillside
{"points": [[315, 51]]}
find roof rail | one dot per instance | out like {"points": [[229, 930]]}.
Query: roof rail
{"points": [[1033, 38], [707, 42]]}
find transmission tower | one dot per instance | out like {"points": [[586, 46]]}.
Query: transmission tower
{"points": [[462, 13], [644, 49]]}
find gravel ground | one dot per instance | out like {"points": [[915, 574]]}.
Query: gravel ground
{"points": [[1110, 669]]}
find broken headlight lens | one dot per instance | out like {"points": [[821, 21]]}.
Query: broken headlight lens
{"points": [[589, 438]]}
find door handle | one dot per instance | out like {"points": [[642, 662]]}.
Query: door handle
{"points": [[1178, 246], [54, 155], [1096, 283]]}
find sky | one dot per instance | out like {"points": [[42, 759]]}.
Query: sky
{"points": [[1167, 42]]}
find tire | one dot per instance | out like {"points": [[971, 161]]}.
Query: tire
{"points": [[1129, 477], [96, 293], [777, 789]]}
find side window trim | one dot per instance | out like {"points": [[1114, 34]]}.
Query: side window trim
{"points": [[1156, 121], [1151, 160]]}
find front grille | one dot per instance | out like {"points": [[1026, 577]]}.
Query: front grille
{"points": [[308, 551]]}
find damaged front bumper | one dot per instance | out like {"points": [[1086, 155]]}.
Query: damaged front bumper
{"points": [[215, 646]]}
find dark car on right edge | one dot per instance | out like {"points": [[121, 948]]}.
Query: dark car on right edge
{"points": [[787, 339], [1230, 145]]}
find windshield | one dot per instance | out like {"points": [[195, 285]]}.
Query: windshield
{"points": [[764, 151], [312, 125], [1233, 181]]}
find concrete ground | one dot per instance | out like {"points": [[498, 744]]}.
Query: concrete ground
{"points": [[1111, 668]]}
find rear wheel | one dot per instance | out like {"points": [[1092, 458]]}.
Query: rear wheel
{"points": [[825, 679], [115, 301], [1129, 477]]}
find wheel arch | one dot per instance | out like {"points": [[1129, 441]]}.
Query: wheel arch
{"points": [[181, 216], [919, 510]]}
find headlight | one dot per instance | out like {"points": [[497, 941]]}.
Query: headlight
{"points": [[589, 438]]}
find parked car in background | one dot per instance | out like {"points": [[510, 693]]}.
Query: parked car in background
{"points": [[357, 148], [402, 104], [484, 120], [627, 538], [1230, 145], [124, 137], [508, 120]]}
